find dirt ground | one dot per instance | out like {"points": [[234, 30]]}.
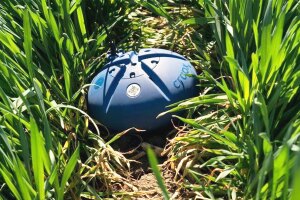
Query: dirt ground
{"points": [[134, 146]]}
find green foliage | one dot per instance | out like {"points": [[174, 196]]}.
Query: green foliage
{"points": [[240, 138], [154, 165], [244, 143], [48, 51]]}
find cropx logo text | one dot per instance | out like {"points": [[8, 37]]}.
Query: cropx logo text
{"points": [[178, 83]]}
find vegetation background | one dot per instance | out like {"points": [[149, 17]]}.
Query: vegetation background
{"points": [[241, 135]]}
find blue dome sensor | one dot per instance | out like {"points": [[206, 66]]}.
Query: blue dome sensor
{"points": [[133, 88]]}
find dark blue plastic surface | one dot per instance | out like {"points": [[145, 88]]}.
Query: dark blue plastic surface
{"points": [[133, 88]]}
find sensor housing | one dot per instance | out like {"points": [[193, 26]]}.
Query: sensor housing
{"points": [[133, 88]]}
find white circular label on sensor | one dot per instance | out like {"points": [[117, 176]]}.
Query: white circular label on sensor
{"points": [[133, 90]]}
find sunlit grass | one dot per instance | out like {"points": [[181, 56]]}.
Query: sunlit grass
{"points": [[240, 138], [249, 148], [48, 52]]}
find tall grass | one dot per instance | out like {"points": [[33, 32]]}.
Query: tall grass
{"points": [[48, 51], [245, 144], [260, 44], [240, 138]]}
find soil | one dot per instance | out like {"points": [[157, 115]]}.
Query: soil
{"points": [[134, 145], [147, 183]]}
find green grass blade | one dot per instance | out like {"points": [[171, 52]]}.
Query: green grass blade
{"points": [[67, 173], [157, 8], [28, 43], [37, 159], [25, 147], [23, 186], [198, 21], [81, 24], [8, 180], [296, 180], [154, 166]]}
